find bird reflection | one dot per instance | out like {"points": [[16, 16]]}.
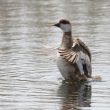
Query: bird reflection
{"points": [[74, 96]]}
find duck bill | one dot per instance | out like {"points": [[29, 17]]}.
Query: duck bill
{"points": [[57, 25]]}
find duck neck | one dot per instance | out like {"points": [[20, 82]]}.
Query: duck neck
{"points": [[66, 40]]}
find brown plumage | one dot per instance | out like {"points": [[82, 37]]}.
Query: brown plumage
{"points": [[74, 59]]}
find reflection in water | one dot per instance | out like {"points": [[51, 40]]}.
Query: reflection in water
{"points": [[75, 95]]}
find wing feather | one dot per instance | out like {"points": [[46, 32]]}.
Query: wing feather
{"points": [[83, 46]]}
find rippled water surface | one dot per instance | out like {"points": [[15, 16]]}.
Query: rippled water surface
{"points": [[29, 78]]}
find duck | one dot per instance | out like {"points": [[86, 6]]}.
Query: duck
{"points": [[73, 55]]}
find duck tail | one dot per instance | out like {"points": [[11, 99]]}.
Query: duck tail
{"points": [[96, 78]]}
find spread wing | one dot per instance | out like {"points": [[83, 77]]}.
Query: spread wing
{"points": [[79, 54], [82, 47]]}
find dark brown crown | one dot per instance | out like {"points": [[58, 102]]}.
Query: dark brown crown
{"points": [[63, 21]]}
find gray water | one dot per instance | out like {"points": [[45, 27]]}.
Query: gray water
{"points": [[29, 78]]}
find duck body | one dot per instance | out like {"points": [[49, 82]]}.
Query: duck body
{"points": [[65, 68], [75, 63], [74, 57]]}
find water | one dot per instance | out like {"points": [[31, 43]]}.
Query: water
{"points": [[29, 78]]}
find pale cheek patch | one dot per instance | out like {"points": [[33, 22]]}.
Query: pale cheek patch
{"points": [[66, 27]]}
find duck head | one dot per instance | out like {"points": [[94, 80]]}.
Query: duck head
{"points": [[64, 25]]}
